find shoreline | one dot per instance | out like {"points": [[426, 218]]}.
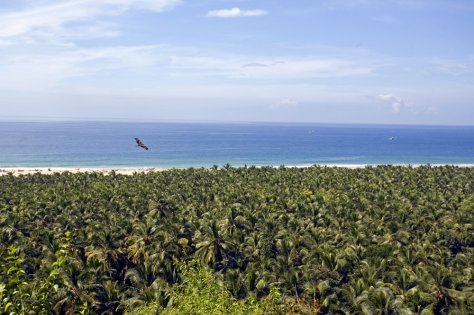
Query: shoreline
{"points": [[16, 171], [53, 170]]}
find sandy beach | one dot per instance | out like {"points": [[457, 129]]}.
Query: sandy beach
{"points": [[17, 171]]}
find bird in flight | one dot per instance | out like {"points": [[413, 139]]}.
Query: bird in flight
{"points": [[140, 144]]}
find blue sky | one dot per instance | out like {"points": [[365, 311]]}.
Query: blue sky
{"points": [[346, 61]]}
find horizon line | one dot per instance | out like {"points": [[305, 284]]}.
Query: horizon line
{"points": [[26, 119]]}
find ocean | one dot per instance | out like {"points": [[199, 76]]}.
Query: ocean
{"points": [[112, 144]]}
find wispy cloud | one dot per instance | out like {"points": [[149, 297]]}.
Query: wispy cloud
{"points": [[452, 67], [53, 17], [396, 102], [281, 68], [284, 103], [261, 65], [432, 110], [236, 12], [254, 64], [48, 70], [52, 66], [40, 47]]}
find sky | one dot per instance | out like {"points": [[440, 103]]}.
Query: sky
{"points": [[326, 61]]}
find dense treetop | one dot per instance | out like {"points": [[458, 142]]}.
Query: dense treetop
{"points": [[377, 240]]}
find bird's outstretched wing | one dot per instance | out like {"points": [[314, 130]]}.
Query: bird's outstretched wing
{"points": [[140, 144]]}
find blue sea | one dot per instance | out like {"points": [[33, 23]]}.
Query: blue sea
{"points": [[112, 144]]}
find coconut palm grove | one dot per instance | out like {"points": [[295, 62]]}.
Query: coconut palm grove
{"points": [[247, 240]]}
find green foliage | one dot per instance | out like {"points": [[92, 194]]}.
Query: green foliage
{"points": [[200, 293], [20, 294], [14, 290], [379, 240]]}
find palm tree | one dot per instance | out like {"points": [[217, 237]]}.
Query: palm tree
{"points": [[211, 246]]}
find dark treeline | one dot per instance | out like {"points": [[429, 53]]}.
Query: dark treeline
{"points": [[378, 240]]}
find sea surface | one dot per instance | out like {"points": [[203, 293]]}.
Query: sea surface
{"points": [[112, 144]]}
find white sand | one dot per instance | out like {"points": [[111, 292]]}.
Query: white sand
{"points": [[51, 170], [132, 170]]}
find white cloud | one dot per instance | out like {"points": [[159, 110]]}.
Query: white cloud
{"points": [[396, 102], [306, 67], [287, 68], [48, 70], [236, 12], [90, 30], [39, 49], [284, 103], [452, 67], [54, 16], [53, 66], [254, 64]]}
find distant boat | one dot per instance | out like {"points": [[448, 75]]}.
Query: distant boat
{"points": [[392, 138]]}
